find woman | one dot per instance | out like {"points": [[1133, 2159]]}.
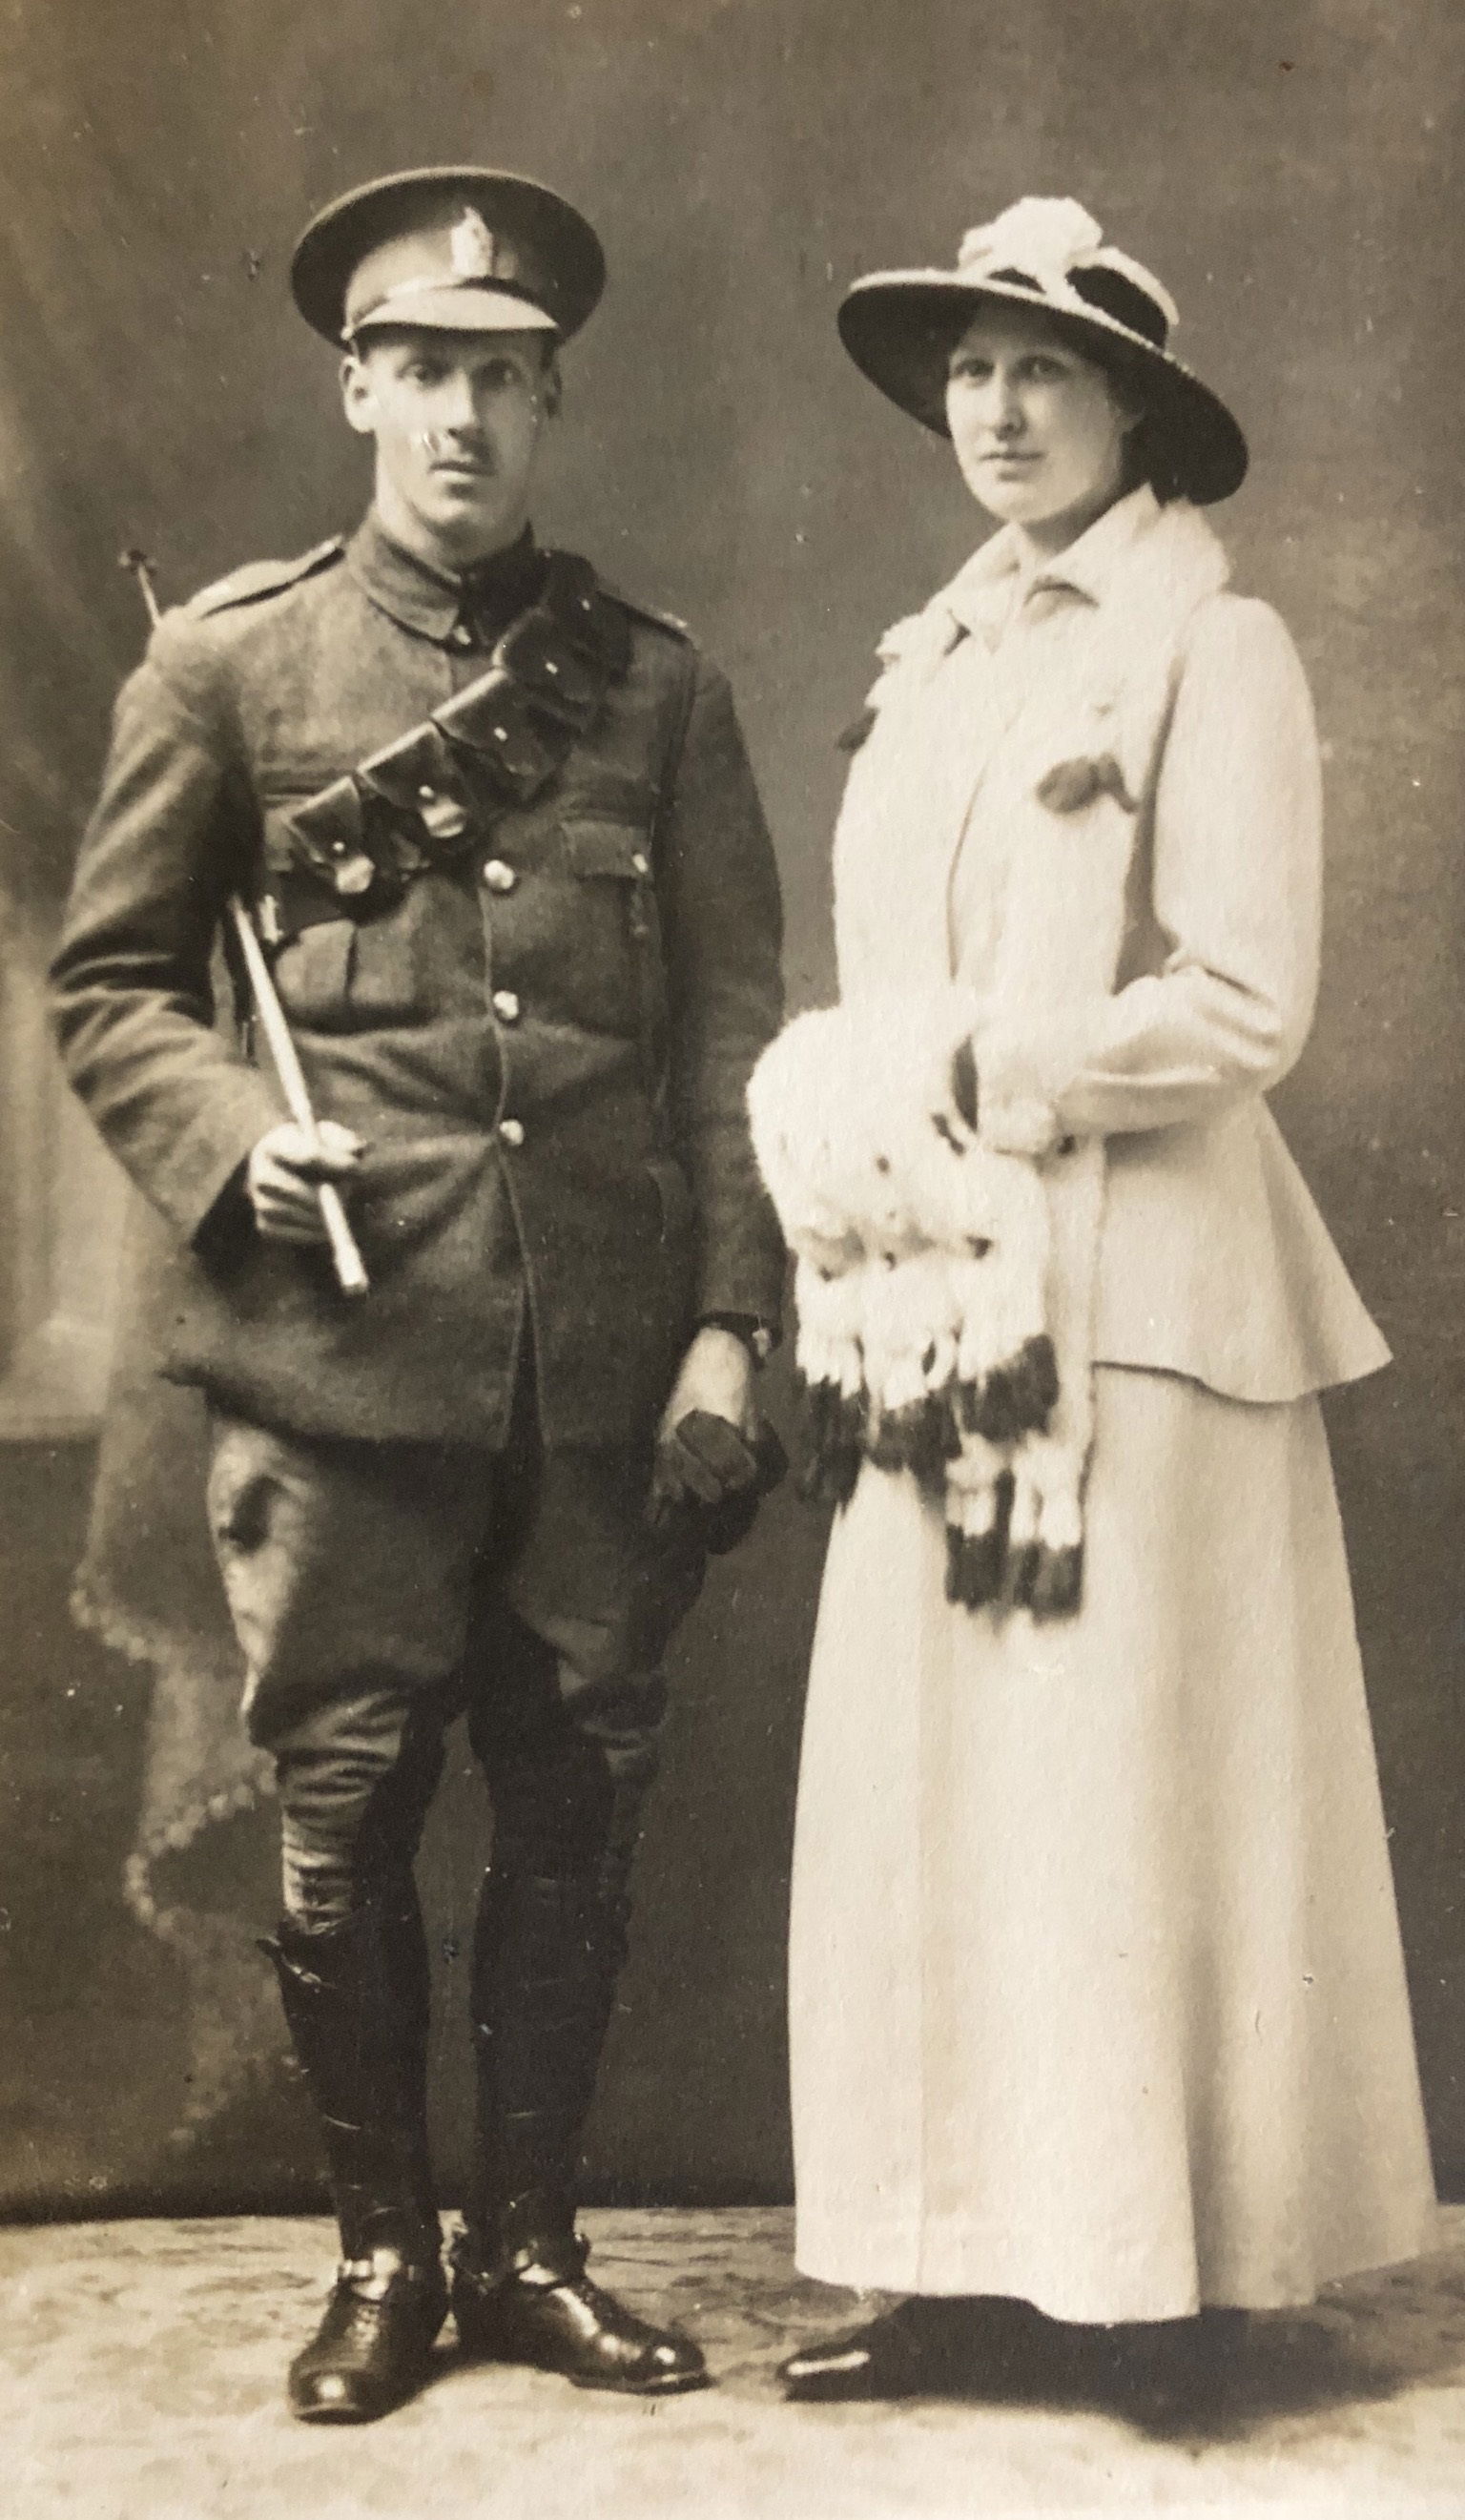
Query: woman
{"points": [[1096, 1991]]}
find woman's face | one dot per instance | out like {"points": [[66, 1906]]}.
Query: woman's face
{"points": [[1038, 429]]}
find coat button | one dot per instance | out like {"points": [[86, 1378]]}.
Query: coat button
{"points": [[512, 1131], [640, 862], [498, 877], [505, 1005]]}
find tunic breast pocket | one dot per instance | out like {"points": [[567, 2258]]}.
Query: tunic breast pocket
{"points": [[350, 975], [340, 974], [617, 956]]}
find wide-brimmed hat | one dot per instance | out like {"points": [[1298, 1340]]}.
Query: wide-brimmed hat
{"points": [[448, 248], [900, 326]]}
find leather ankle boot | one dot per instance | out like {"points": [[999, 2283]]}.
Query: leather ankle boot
{"points": [[546, 1957], [373, 2348], [539, 2306], [355, 2003]]}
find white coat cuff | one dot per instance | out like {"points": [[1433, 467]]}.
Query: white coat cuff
{"points": [[1024, 1065]]}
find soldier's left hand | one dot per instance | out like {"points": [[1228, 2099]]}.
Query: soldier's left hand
{"points": [[716, 1455], [718, 1377]]}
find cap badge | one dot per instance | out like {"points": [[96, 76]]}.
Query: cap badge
{"points": [[471, 248]]}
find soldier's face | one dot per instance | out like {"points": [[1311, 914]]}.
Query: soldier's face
{"points": [[458, 420]]}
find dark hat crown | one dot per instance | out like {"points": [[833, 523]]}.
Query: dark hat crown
{"points": [[1108, 290], [1114, 294]]}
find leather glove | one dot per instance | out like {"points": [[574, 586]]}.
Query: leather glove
{"points": [[711, 1478]]}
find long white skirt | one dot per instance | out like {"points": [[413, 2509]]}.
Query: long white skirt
{"points": [[1096, 1989]]}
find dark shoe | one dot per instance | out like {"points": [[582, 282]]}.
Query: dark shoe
{"points": [[373, 2350], [545, 2311], [905, 2351], [1179, 2364]]}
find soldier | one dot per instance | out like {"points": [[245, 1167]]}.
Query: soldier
{"points": [[501, 841]]}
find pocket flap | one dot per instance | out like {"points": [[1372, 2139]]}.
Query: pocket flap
{"points": [[315, 832], [557, 676], [608, 848], [491, 719]]}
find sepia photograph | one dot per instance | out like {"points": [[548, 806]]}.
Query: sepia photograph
{"points": [[732, 1259]]}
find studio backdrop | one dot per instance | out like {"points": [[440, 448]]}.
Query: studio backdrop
{"points": [[1290, 168]]}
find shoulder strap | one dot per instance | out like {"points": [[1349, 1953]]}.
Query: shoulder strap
{"points": [[671, 621], [259, 578]]}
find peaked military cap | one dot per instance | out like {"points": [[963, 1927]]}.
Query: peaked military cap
{"points": [[453, 248]]}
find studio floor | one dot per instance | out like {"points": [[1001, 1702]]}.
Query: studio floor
{"points": [[141, 2364]]}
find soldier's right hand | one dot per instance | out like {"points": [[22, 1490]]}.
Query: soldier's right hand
{"points": [[285, 1170]]}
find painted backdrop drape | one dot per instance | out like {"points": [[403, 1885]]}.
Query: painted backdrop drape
{"points": [[1291, 168]]}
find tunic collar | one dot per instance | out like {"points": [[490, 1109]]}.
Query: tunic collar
{"points": [[472, 608]]}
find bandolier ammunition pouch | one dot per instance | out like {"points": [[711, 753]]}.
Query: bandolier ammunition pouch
{"points": [[433, 795]]}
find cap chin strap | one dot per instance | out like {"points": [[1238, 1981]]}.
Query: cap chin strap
{"points": [[435, 286]]}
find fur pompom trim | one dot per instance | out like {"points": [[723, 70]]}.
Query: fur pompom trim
{"points": [[921, 1253]]}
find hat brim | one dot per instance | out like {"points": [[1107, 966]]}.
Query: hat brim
{"points": [[900, 326], [563, 245], [468, 309]]}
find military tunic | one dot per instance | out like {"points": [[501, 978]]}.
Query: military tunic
{"points": [[545, 1041]]}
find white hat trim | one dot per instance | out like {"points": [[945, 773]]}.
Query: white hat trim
{"points": [[1051, 240]]}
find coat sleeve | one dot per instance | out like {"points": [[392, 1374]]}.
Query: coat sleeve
{"points": [[131, 988], [1237, 905], [723, 914]]}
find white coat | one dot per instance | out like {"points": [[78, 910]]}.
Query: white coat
{"points": [[1213, 1262], [1096, 1993]]}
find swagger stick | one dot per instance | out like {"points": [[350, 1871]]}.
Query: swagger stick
{"points": [[345, 1254]]}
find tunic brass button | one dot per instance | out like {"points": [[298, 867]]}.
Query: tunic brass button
{"points": [[512, 1131], [498, 877], [640, 862], [505, 1005]]}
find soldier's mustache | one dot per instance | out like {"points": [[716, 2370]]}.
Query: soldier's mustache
{"points": [[439, 443]]}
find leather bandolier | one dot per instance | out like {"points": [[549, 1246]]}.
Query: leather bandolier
{"points": [[432, 796]]}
